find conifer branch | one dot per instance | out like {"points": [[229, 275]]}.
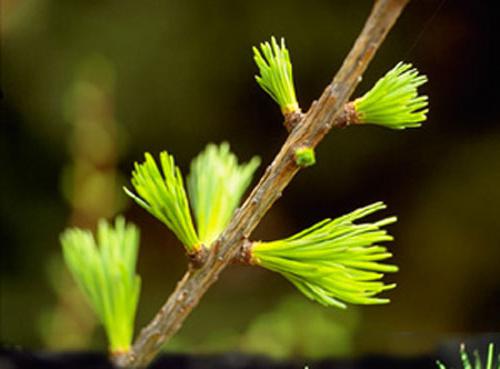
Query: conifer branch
{"points": [[315, 124]]}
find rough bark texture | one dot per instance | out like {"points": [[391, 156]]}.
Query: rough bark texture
{"points": [[311, 129]]}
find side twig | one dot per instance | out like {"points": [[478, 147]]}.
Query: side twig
{"points": [[313, 126]]}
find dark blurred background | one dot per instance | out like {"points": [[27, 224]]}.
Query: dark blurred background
{"points": [[89, 86]]}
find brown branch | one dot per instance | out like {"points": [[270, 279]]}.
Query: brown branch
{"points": [[293, 119], [244, 254], [346, 117], [312, 128]]}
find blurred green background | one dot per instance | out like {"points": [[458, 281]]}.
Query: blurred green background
{"points": [[89, 86]]}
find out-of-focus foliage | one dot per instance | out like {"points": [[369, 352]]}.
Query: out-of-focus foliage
{"points": [[69, 323], [487, 363], [104, 267], [90, 181], [297, 327], [291, 326], [176, 86]]}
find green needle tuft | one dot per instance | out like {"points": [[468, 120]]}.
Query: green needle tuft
{"points": [[335, 261], [466, 363], [394, 101], [276, 78], [215, 186], [162, 193], [105, 271]]}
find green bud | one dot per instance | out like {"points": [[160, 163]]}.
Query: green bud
{"points": [[305, 157]]}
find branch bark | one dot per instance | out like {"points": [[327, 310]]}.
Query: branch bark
{"points": [[346, 117], [310, 130]]}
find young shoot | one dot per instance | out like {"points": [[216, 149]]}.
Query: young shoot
{"points": [[216, 184], [394, 101], [334, 262], [162, 194], [104, 269], [276, 78]]}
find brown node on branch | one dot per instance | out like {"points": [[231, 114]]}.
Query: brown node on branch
{"points": [[347, 116], [244, 255], [198, 257], [292, 119]]}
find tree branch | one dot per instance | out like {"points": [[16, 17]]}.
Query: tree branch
{"points": [[313, 126], [346, 117]]}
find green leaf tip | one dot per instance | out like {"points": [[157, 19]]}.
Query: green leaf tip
{"points": [[216, 184], [104, 268], [305, 157], [394, 101], [477, 363], [162, 193], [276, 78], [334, 262]]}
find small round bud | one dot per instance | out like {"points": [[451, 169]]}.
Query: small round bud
{"points": [[305, 157]]}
